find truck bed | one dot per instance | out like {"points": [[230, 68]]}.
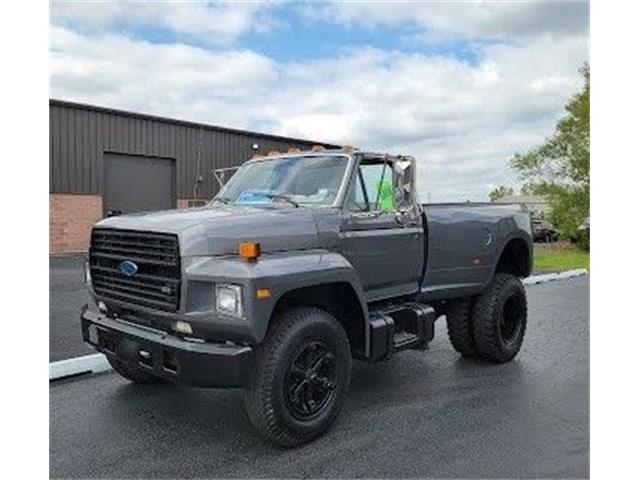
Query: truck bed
{"points": [[464, 241]]}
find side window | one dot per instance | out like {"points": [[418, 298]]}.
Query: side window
{"points": [[356, 201], [378, 180], [372, 189]]}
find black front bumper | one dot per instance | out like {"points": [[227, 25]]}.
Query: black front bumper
{"points": [[168, 356]]}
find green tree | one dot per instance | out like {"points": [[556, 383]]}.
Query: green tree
{"points": [[559, 168], [527, 189], [499, 193]]}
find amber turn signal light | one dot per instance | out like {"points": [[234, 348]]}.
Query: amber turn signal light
{"points": [[249, 250], [262, 293]]}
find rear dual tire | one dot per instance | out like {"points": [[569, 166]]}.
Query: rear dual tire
{"points": [[459, 326], [491, 326]]}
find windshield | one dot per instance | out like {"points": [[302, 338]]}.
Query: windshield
{"points": [[309, 181]]}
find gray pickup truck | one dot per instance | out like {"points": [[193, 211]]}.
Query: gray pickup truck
{"points": [[301, 263]]}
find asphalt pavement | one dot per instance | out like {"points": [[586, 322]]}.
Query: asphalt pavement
{"points": [[421, 414], [67, 295]]}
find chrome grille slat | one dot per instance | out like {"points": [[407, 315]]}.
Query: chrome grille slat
{"points": [[126, 289], [148, 278], [157, 282], [132, 258], [134, 287], [114, 241], [130, 248], [137, 299]]}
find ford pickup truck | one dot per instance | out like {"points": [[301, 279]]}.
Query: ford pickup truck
{"points": [[302, 262]]}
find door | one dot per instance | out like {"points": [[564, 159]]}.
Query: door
{"points": [[137, 184], [384, 245]]}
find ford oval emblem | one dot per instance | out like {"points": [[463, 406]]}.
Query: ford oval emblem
{"points": [[128, 268]]}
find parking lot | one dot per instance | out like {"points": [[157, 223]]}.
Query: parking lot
{"points": [[67, 294], [421, 414]]}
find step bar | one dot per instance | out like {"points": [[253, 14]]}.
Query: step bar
{"points": [[398, 328]]}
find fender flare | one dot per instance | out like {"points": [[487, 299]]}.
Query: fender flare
{"points": [[309, 270], [519, 234], [317, 269], [281, 273]]}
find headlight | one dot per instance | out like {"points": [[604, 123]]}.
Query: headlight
{"points": [[229, 299]]}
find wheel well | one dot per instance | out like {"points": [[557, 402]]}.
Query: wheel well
{"points": [[515, 258], [337, 298]]}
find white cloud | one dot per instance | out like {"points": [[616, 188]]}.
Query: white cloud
{"points": [[176, 79], [461, 121], [216, 23], [469, 19]]}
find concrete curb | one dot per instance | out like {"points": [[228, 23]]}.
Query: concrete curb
{"points": [[550, 277], [98, 362], [75, 366]]}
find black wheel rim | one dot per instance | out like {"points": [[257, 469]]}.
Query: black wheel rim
{"points": [[512, 319], [311, 380]]}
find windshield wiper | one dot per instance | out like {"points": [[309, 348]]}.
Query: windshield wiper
{"points": [[222, 200], [280, 196]]}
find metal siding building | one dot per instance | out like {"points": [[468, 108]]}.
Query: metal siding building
{"points": [[89, 146]]}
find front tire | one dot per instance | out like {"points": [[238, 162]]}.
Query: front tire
{"points": [[500, 319], [301, 376]]}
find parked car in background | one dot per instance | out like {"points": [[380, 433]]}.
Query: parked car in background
{"points": [[585, 226], [543, 231]]}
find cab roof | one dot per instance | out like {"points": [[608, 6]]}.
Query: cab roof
{"points": [[322, 152]]}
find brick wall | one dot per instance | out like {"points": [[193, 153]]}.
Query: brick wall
{"points": [[184, 202], [70, 220]]}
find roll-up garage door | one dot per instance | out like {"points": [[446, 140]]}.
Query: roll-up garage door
{"points": [[138, 184]]}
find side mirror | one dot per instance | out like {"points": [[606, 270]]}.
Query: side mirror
{"points": [[403, 180]]}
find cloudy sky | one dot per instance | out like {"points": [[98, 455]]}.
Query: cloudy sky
{"points": [[461, 86]]}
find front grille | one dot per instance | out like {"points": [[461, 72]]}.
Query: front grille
{"points": [[155, 284]]}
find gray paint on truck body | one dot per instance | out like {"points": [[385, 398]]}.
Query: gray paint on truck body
{"points": [[379, 258], [460, 233]]}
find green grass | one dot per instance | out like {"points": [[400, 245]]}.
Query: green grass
{"points": [[558, 259]]}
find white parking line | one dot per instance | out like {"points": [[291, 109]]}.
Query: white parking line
{"points": [[98, 362], [75, 366]]}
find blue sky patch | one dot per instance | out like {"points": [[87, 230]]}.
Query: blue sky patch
{"points": [[295, 37]]}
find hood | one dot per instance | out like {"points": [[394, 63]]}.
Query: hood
{"points": [[217, 230]]}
